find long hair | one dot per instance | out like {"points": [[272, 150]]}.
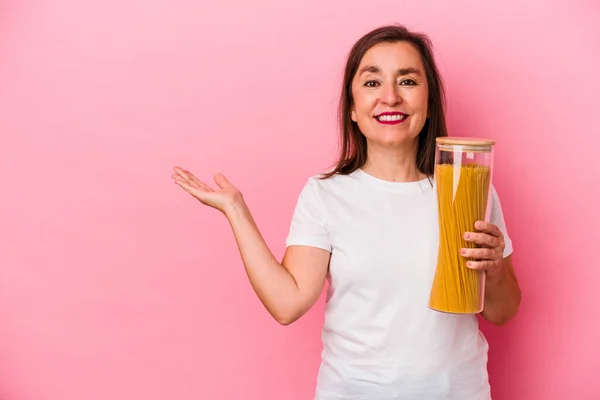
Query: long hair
{"points": [[353, 144]]}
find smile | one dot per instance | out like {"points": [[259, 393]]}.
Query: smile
{"points": [[391, 118]]}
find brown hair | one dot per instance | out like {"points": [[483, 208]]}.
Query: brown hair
{"points": [[353, 150]]}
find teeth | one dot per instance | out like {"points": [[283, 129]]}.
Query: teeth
{"points": [[397, 117]]}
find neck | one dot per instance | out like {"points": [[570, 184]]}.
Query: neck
{"points": [[397, 164]]}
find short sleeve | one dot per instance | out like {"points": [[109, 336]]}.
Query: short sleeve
{"points": [[497, 218], [308, 226]]}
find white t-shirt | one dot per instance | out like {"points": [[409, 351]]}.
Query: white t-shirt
{"points": [[380, 339]]}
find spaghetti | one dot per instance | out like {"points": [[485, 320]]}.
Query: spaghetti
{"points": [[462, 192]]}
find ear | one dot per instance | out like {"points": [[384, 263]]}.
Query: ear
{"points": [[353, 114]]}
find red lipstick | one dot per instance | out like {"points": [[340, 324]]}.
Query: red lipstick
{"points": [[391, 117]]}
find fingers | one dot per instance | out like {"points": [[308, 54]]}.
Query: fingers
{"points": [[201, 184], [198, 182], [483, 239], [489, 235], [178, 179], [222, 181], [481, 253], [180, 173], [489, 256], [198, 189], [182, 179], [482, 265], [190, 179], [488, 228], [184, 185]]}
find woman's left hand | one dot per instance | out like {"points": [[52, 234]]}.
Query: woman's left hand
{"points": [[490, 256]]}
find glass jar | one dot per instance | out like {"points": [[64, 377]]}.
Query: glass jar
{"points": [[463, 177]]}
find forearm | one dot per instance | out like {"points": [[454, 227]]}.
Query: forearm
{"points": [[502, 296], [274, 285]]}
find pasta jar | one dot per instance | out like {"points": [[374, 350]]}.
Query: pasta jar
{"points": [[462, 177]]}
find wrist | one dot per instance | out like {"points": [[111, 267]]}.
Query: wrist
{"points": [[235, 208]]}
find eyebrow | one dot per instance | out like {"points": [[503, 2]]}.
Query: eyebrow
{"points": [[402, 71]]}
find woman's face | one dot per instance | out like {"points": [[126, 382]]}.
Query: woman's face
{"points": [[390, 94]]}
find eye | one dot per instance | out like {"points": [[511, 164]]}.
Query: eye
{"points": [[408, 82], [371, 83]]}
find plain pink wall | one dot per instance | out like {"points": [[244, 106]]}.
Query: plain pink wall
{"points": [[115, 284]]}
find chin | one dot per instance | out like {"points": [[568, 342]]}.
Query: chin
{"points": [[393, 140]]}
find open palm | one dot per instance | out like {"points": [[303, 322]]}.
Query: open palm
{"points": [[221, 200]]}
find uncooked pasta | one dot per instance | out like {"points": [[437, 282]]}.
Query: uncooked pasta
{"points": [[462, 195]]}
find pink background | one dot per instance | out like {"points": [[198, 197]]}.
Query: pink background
{"points": [[116, 284]]}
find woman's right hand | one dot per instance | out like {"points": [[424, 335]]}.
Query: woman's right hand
{"points": [[223, 200]]}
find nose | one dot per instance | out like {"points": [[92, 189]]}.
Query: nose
{"points": [[390, 94]]}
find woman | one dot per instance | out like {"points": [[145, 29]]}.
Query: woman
{"points": [[370, 226]]}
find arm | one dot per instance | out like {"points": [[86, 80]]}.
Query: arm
{"points": [[288, 289], [502, 294]]}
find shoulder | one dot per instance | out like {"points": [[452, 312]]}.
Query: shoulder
{"points": [[323, 191], [323, 183], [335, 185]]}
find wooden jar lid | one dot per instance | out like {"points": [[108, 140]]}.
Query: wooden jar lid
{"points": [[465, 141]]}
